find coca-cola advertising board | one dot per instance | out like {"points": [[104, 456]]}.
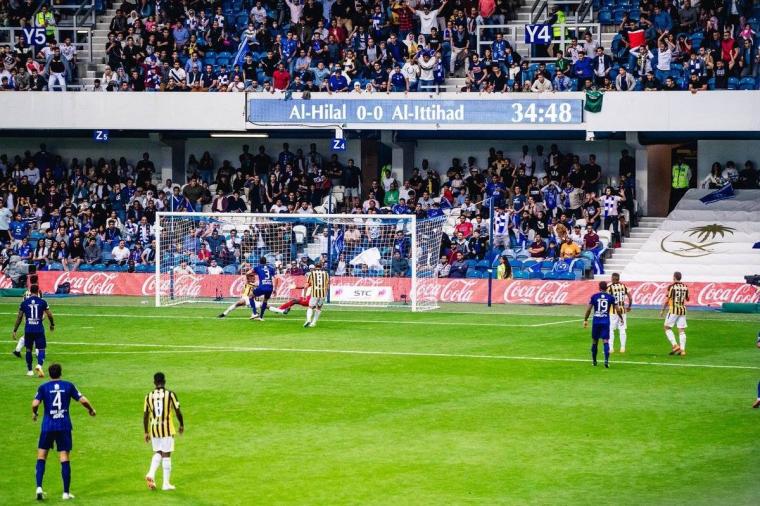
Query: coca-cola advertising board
{"points": [[396, 289]]}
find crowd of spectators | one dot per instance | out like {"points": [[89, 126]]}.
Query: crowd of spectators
{"points": [[672, 45], [399, 46], [76, 214]]}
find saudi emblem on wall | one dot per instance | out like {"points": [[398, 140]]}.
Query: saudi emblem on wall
{"points": [[695, 242]]}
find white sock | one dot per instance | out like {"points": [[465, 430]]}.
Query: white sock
{"points": [[167, 465], [229, 309], [309, 312], [20, 344], [671, 337], [682, 339], [623, 338], [317, 312], [612, 339], [154, 463]]}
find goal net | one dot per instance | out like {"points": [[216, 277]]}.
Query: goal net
{"points": [[373, 260]]}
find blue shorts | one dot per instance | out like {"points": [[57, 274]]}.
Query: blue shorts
{"points": [[265, 291], [61, 438], [600, 332], [32, 341]]}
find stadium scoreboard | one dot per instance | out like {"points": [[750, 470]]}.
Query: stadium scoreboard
{"points": [[414, 112]]}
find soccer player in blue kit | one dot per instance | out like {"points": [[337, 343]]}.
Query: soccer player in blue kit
{"points": [[56, 395], [33, 308], [265, 274], [602, 304]]}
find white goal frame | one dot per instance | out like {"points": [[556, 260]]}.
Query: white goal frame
{"points": [[412, 224]]}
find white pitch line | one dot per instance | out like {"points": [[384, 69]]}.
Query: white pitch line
{"points": [[696, 315], [381, 322], [188, 348]]}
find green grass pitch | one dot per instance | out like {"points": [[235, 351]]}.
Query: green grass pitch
{"points": [[464, 405]]}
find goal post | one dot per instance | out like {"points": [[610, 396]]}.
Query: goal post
{"points": [[375, 260]]}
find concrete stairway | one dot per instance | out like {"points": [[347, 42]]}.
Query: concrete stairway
{"points": [[96, 67], [622, 256]]}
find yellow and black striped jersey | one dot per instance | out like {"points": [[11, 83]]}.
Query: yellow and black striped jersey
{"points": [[319, 281], [161, 405], [619, 291], [678, 295]]}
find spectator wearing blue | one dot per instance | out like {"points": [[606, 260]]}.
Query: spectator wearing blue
{"points": [[561, 82], [19, 229], [661, 20], [338, 82], [400, 207], [583, 68], [496, 191], [458, 267], [518, 199], [397, 81], [118, 202], [499, 52], [397, 49]]}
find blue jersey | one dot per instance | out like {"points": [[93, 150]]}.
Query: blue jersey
{"points": [[33, 309], [265, 275], [601, 305], [56, 396]]}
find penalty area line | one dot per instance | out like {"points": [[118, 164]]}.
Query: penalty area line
{"points": [[186, 348]]}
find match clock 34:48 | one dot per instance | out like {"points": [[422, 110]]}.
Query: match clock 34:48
{"points": [[545, 111]]}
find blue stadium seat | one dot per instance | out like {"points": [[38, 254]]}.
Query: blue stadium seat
{"points": [[515, 264], [634, 14], [711, 83], [474, 274], [200, 269], [209, 59], [520, 274], [471, 264], [747, 83], [682, 83], [230, 269], [483, 265], [85, 268], [547, 264], [618, 15], [733, 83]]}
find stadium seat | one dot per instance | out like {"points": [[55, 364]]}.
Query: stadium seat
{"points": [[515, 264], [618, 15], [483, 265], [605, 17], [199, 269], [747, 83], [474, 274], [733, 83], [230, 269], [711, 83], [520, 274], [471, 264], [85, 268]]}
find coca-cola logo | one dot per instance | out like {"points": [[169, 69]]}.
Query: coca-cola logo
{"points": [[718, 293], [649, 294], [548, 292], [185, 285], [97, 283]]}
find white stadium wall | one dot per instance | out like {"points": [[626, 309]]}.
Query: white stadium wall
{"points": [[621, 112]]}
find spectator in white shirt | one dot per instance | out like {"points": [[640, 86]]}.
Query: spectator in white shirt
{"points": [[120, 254], [541, 84], [214, 268], [183, 268], [730, 174]]}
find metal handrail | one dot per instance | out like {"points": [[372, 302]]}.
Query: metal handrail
{"points": [[83, 14], [541, 5]]}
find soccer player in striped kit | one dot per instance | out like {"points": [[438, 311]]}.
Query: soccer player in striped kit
{"points": [[675, 304], [158, 423], [618, 318], [318, 285]]}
